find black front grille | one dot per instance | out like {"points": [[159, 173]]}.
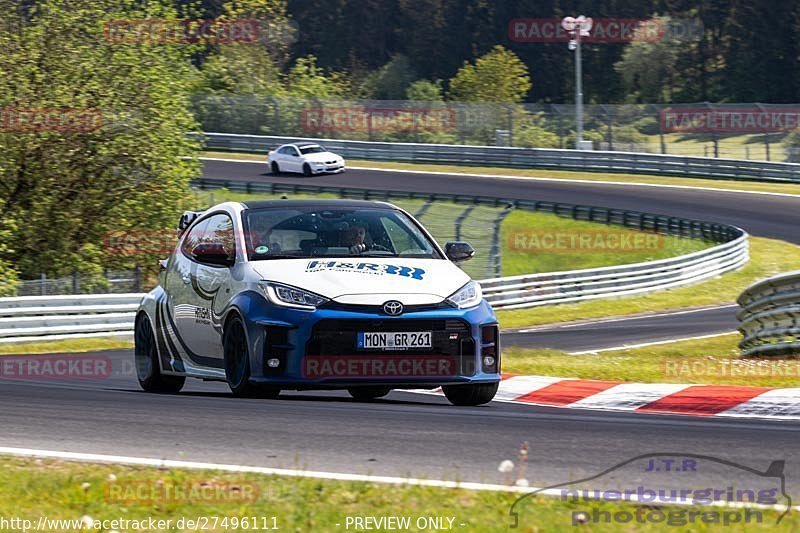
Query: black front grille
{"points": [[450, 337], [378, 309]]}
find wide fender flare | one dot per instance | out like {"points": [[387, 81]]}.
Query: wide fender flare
{"points": [[252, 307]]}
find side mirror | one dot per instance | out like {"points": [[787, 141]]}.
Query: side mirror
{"points": [[457, 251], [214, 254]]}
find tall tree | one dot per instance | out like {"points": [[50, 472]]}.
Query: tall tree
{"points": [[498, 76], [65, 187]]}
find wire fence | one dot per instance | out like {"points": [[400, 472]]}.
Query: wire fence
{"points": [[764, 132], [110, 282]]}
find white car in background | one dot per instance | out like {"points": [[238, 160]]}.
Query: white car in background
{"points": [[306, 158]]}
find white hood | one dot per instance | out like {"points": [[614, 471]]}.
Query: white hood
{"points": [[321, 157], [368, 281]]}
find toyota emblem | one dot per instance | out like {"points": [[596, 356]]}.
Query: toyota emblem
{"points": [[393, 308]]}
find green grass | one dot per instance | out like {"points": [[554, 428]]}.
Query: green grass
{"points": [[528, 244], [712, 361], [784, 188], [768, 257], [66, 346], [63, 490], [730, 146]]}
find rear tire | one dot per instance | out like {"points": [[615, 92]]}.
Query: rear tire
{"points": [[366, 394], [307, 170], [276, 170], [237, 363], [470, 395], [145, 354]]}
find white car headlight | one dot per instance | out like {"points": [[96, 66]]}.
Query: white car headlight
{"points": [[469, 295], [289, 296]]}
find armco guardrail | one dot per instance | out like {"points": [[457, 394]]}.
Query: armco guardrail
{"points": [[30, 318], [593, 161], [770, 316], [609, 282]]}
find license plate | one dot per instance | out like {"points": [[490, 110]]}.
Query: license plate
{"points": [[400, 340]]}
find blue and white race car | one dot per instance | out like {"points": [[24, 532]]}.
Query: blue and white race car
{"points": [[317, 294]]}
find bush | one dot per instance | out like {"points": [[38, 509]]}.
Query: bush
{"points": [[533, 133]]}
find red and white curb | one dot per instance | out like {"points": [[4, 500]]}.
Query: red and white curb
{"points": [[659, 398]]}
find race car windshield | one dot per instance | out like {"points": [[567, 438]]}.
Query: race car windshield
{"points": [[281, 233], [305, 150]]}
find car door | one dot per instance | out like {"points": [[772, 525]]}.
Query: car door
{"points": [[198, 292], [293, 159], [280, 157]]}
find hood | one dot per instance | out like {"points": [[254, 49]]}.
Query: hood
{"points": [[368, 281], [321, 157]]}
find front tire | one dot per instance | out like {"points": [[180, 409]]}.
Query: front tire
{"points": [[145, 354], [470, 395], [366, 394], [307, 170], [237, 363]]}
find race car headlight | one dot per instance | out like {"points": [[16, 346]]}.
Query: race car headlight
{"points": [[469, 295], [289, 296]]}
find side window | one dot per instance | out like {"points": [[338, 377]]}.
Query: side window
{"points": [[193, 238], [220, 232], [217, 229]]}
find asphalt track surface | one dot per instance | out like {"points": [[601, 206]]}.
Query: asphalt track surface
{"points": [[612, 333], [406, 434], [410, 434]]}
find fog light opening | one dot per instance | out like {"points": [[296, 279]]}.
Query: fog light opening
{"points": [[273, 362], [489, 361]]}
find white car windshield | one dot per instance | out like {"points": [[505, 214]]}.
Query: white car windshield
{"points": [[298, 232], [305, 150]]}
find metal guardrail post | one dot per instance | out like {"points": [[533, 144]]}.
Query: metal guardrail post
{"points": [[497, 250], [460, 221]]}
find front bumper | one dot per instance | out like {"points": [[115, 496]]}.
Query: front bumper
{"points": [[328, 169], [317, 349]]}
